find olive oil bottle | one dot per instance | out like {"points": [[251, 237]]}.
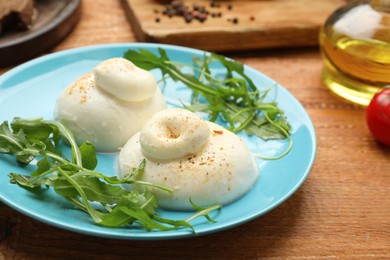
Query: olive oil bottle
{"points": [[355, 45]]}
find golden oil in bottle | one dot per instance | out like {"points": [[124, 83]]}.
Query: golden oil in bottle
{"points": [[355, 44]]}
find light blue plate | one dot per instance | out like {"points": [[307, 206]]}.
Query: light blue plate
{"points": [[30, 90]]}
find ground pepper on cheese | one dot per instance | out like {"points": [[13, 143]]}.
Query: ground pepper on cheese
{"points": [[218, 170], [110, 104]]}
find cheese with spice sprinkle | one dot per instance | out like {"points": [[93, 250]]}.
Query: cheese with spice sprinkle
{"points": [[198, 159], [109, 105]]}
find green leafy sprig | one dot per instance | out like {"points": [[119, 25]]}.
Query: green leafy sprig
{"points": [[235, 98], [37, 141]]}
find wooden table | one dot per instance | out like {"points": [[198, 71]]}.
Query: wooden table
{"points": [[342, 211]]}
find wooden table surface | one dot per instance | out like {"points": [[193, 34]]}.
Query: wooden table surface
{"points": [[342, 211]]}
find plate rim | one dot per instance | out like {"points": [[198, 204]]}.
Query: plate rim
{"points": [[158, 235]]}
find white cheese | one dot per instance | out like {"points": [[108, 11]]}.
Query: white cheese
{"points": [[97, 115], [218, 170], [124, 80]]}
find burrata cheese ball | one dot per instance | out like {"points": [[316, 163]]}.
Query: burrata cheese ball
{"points": [[198, 159], [110, 104]]}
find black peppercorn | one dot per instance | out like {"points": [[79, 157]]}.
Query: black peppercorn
{"points": [[189, 13]]}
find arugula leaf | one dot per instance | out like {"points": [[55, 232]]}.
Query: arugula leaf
{"points": [[122, 214], [142, 218], [101, 196], [16, 144], [35, 129], [235, 99], [25, 181], [88, 154], [43, 165], [174, 223], [93, 187]]}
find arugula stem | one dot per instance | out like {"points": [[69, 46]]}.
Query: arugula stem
{"points": [[58, 158], [203, 212], [78, 204], [237, 112], [69, 136], [244, 124], [14, 142], [146, 203], [195, 86], [96, 174], [42, 174], [220, 83], [169, 190], [84, 197], [202, 71], [31, 151], [104, 177], [235, 109]]}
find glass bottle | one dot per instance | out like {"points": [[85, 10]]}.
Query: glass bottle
{"points": [[355, 45]]}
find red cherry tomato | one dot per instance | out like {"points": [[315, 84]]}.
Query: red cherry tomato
{"points": [[378, 116]]}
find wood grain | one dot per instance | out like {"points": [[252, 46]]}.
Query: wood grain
{"points": [[342, 211], [260, 24]]}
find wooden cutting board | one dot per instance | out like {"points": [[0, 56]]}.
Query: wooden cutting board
{"points": [[259, 24]]}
